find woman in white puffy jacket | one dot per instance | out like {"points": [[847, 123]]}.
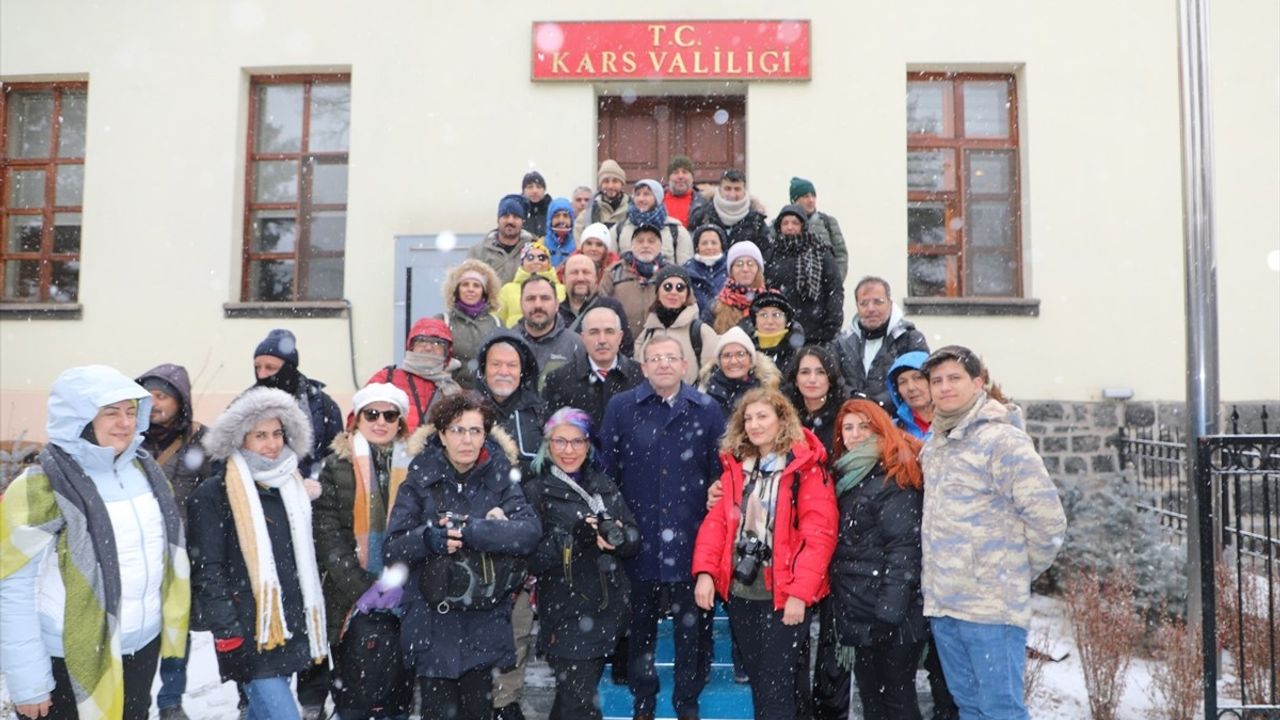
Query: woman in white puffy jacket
{"points": [[94, 580]]}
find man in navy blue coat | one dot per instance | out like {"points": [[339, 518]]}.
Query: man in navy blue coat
{"points": [[661, 443]]}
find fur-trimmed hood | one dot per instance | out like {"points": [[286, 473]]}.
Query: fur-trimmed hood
{"points": [[492, 285], [766, 371], [226, 435]]}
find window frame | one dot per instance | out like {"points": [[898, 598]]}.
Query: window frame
{"points": [[49, 210], [303, 206], [956, 201]]}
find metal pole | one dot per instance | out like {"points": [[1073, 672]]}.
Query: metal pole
{"points": [[1202, 318]]}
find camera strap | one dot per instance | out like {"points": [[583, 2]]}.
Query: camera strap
{"points": [[749, 487], [595, 503]]}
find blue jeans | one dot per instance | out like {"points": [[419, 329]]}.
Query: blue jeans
{"points": [[173, 680], [983, 665], [271, 699]]}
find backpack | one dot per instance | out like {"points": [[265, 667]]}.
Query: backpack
{"points": [[369, 679]]}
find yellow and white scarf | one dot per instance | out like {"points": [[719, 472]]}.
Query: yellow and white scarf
{"points": [[255, 543]]}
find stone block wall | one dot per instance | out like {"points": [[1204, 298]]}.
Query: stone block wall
{"points": [[1078, 438]]}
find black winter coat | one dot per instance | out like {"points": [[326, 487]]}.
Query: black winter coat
{"points": [[220, 579], [447, 645], [572, 385], [577, 581], [822, 423], [822, 318], [522, 413], [902, 337], [875, 572]]}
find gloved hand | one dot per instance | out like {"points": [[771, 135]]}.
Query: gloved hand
{"points": [[379, 597], [437, 539], [235, 659]]}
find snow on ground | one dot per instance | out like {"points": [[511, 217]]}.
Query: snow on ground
{"points": [[1062, 695]]}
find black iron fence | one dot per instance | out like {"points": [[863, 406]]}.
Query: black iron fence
{"points": [[1241, 607]]}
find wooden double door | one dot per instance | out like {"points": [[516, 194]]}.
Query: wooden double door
{"points": [[643, 133]]}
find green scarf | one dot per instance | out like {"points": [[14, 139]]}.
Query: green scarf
{"points": [[855, 464], [945, 422]]}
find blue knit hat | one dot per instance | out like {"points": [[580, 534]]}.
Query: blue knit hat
{"points": [[279, 343], [513, 205]]}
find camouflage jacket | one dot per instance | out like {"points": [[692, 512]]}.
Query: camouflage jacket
{"points": [[992, 519]]}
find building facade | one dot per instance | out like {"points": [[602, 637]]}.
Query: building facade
{"points": [[179, 178]]}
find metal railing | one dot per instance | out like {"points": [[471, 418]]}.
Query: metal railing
{"points": [[1241, 472]]}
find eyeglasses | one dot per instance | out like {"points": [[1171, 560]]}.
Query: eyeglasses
{"points": [[539, 257], [563, 444], [372, 415], [459, 431], [771, 314], [674, 287], [743, 262], [734, 355], [434, 345], [663, 359], [869, 302]]}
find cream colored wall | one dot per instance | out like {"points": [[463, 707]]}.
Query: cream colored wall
{"points": [[445, 120]]}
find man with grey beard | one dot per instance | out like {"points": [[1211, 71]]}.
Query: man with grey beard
{"points": [[552, 343]]}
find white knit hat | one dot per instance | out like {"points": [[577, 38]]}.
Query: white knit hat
{"points": [[735, 336], [380, 392]]}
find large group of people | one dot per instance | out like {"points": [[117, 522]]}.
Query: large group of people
{"points": [[635, 405]]}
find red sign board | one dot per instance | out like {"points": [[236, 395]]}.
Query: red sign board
{"points": [[672, 50]]}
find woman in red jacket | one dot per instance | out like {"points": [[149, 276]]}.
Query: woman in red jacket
{"points": [[766, 544]]}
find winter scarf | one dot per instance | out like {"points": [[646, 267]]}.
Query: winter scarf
{"points": [[768, 341], [645, 270], [160, 437], [472, 310], [244, 469], [808, 250], [434, 368], [287, 378], [731, 213], [657, 217], [709, 261], [667, 315], [737, 296], [874, 333], [369, 519], [944, 422], [853, 467], [56, 504]]}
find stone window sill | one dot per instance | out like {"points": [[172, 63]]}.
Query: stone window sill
{"points": [[300, 309], [41, 311], [1010, 307]]}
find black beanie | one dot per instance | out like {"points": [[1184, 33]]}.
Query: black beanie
{"points": [[279, 343], [534, 177]]}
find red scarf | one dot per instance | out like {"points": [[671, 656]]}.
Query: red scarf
{"points": [[737, 296]]}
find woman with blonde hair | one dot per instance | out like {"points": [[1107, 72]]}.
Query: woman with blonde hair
{"points": [[879, 628], [764, 547]]}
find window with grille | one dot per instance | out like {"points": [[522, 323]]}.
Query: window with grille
{"points": [[296, 188], [963, 214], [42, 139]]}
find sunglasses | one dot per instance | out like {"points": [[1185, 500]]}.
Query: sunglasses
{"points": [[372, 415], [674, 287], [539, 257]]}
